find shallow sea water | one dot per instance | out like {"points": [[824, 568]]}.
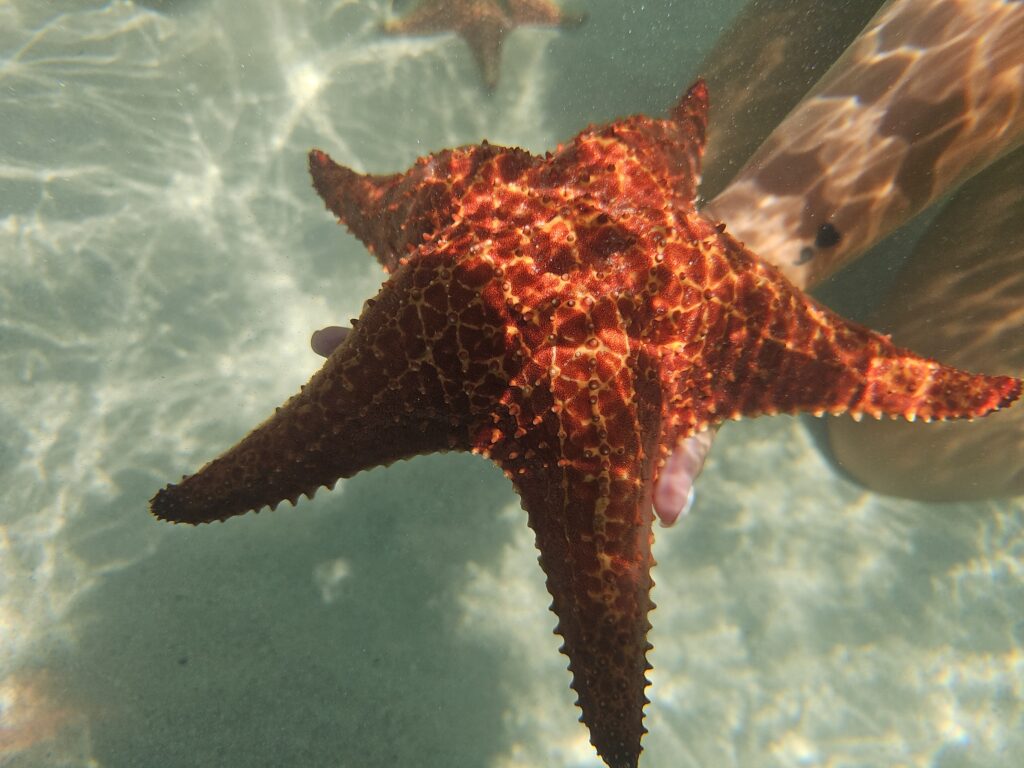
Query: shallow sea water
{"points": [[164, 261]]}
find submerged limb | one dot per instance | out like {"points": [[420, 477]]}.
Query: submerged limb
{"points": [[674, 492]]}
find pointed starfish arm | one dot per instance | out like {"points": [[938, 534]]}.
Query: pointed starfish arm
{"points": [[596, 555], [392, 214], [636, 158], [320, 435], [483, 24], [582, 460], [485, 44], [380, 397], [762, 328]]}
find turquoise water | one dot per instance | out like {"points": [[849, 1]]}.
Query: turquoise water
{"points": [[164, 261]]}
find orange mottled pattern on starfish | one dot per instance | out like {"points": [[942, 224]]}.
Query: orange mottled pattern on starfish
{"points": [[571, 317], [930, 93], [392, 214]]}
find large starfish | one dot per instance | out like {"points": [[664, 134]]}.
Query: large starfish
{"points": [[573, 318], [483, 24]]}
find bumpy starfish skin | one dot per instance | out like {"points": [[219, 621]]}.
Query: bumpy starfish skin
{"points": [[483, 24], [571, 317]]}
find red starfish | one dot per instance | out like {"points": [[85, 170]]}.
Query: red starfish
{"points": [[571, 317], [482, 23]]}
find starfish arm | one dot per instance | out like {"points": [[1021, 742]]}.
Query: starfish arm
{"points": [[324, 433], [640, 163], [823, 363], [360, 201], [582, 460], [483, 24], [485, 39], [690, 122], [959, 295], [381, 396], [393, 214], [757, 345]]}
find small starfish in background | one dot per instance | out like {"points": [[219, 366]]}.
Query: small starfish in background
{"points": [[483, 24], [573, 318]]}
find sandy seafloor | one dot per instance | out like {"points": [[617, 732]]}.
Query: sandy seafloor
{"points": [[164, 261]]}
